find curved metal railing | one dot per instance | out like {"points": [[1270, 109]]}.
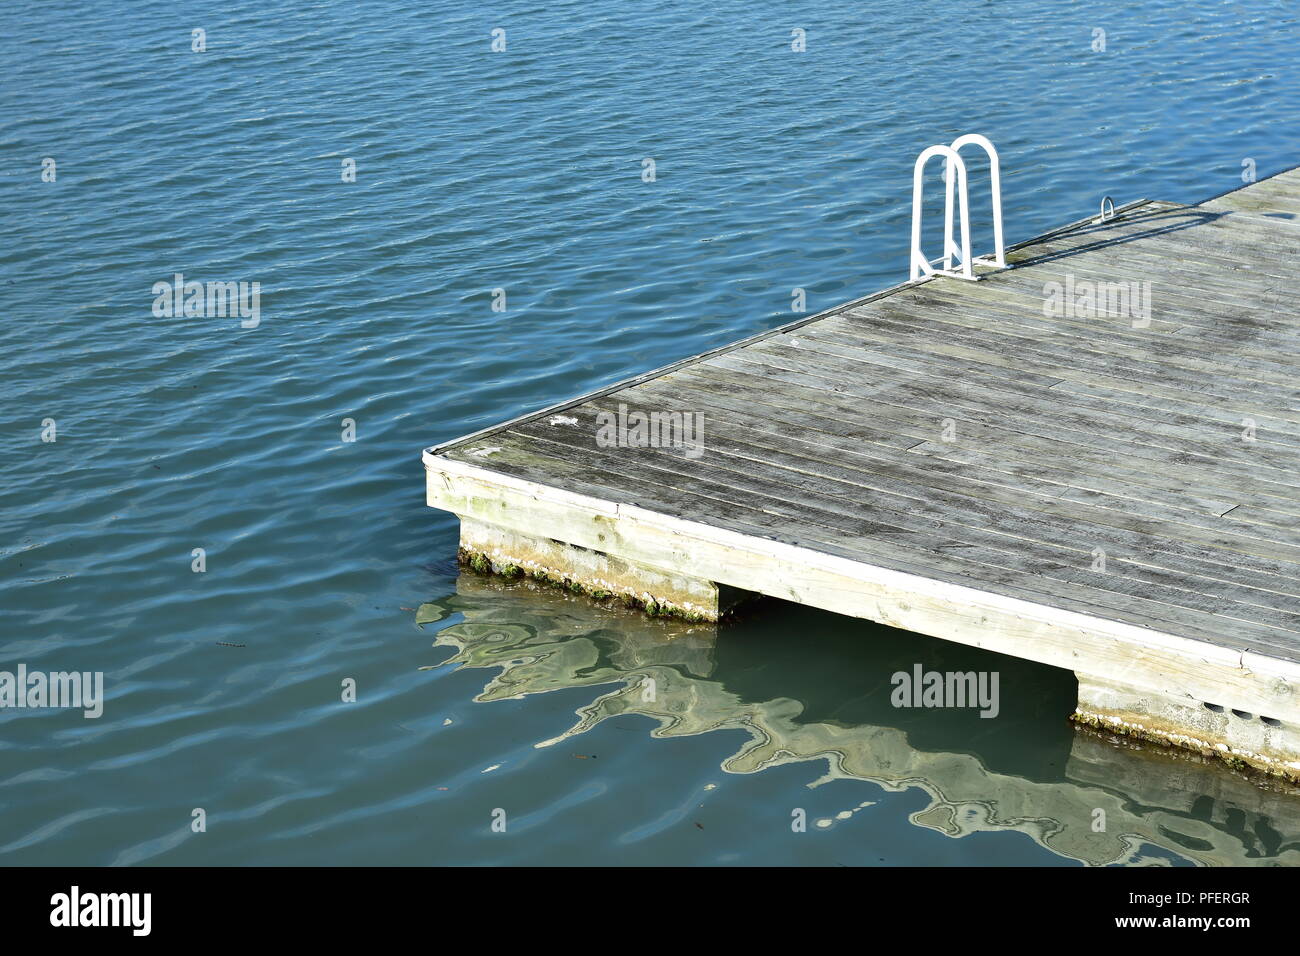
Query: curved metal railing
{"points": [[955, 187]]}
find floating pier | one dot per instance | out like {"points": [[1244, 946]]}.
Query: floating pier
{"points": [[1089, 459]]}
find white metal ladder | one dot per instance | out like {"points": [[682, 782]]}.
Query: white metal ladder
{"points": [[955, 180]]}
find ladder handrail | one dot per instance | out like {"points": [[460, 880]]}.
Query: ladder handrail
{"points": [[995, 178], [921, 265], [955, 179]]}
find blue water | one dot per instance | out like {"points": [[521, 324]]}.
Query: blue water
{"points": [[521, 170]]}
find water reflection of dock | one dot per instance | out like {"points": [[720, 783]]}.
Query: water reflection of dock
{"points": [[541, 641]]}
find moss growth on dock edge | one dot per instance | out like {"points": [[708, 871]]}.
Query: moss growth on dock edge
{"points": [[482, 564], [1252, 771]]}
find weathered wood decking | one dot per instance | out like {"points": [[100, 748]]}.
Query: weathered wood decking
{"points": [[1114, 494]]}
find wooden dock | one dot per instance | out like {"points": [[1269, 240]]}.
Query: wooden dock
{"points": [[1105, 483]]}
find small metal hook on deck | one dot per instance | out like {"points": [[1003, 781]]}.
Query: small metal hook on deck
{"points": [[1106, 200]]}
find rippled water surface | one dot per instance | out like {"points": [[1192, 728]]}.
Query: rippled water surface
{"points": [[522, 171]]}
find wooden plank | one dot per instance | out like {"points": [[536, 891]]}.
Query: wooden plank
{"points": [[830, 348], [1253, 332], [937, 330], [1023, 307], [1061, 438], [810, 418]]}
